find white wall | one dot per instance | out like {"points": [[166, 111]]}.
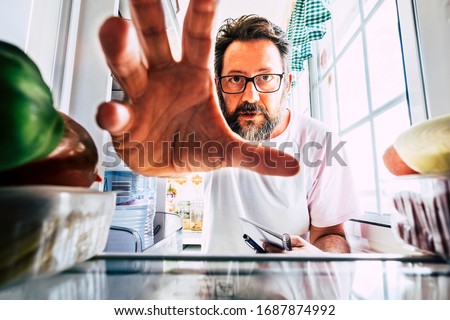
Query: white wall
{"points": [[276, 11]]}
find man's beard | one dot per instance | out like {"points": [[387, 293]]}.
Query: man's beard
{"points": [[252, 131]]}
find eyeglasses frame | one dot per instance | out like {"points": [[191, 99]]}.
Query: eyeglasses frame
{"points": [[252, 80]]}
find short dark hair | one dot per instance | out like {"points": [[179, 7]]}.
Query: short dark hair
{"points": [[248, 28]]}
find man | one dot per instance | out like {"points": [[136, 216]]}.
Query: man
{"points": [[253, 81], [170, 101]]}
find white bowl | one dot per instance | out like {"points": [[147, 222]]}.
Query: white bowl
{"points": [[46, 229]]}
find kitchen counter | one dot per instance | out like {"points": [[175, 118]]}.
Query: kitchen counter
{"points": [[352, 276]]}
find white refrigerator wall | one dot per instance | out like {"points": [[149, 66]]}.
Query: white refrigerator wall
{"points": [[33, 26], [91, 77]]}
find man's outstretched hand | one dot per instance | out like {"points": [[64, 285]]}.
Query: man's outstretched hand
{"points": [[170, 122]]}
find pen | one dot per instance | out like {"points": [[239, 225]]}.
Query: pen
{"points": [[252, 244]]}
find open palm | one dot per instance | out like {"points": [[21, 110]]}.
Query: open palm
{"points": [[170, 122]]}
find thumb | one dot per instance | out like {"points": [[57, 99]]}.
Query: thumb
{"points": [[298, 241], [115, 117]]}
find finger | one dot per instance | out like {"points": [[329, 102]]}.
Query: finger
{"points": [[121, 47], [114, 117], [263, 160], [271, 248], [148, 17], [297, 241], [197, 29]]}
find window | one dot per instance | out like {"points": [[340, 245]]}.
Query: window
{"points": [[358, 88]]}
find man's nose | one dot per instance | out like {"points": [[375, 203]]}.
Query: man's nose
{"points": [[250, 93]]}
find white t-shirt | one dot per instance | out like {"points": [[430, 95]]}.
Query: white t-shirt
{"points": [[321, 194]]}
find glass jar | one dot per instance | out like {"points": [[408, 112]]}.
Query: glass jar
{"points": [[184, 207], [196, 216]]}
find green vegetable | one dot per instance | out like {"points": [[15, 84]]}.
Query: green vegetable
{"points": [[30, 126], [425, 147]]}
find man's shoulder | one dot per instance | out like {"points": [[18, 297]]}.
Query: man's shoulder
{"points": [[307, 126]]}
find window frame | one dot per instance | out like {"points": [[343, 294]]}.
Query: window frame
{"points": [[415, 87]]}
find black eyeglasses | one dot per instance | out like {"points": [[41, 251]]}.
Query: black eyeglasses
{"points": [[264, 83]]}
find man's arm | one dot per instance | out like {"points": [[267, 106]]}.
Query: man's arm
{"points": [[330, 239], [171, 122]]}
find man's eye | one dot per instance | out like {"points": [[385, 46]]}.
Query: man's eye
{"points": [[266, 77], [235, 79]]}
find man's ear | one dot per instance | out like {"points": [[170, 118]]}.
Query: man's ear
{"points": [[290, 77]]}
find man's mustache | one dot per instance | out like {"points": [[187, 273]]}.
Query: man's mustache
{"points": [[249, 108], [232, 118]]}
